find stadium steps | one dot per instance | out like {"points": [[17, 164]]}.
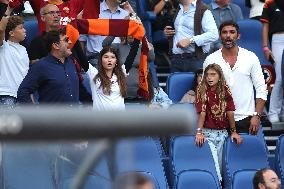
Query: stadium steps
{"points": [[271, 135], [163, 72]]}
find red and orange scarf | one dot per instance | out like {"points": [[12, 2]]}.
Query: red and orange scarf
{"points": [[118, 28]]}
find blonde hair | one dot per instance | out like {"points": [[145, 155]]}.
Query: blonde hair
{"points": [[221, 89]]}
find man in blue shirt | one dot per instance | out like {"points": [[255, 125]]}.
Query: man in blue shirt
{"points": [[194, 30], [54, 76]]}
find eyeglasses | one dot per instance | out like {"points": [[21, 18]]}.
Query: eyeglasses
{"points": [[53, 13]]}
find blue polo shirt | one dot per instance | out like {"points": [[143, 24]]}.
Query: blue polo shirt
{"points": [[55, 82]]}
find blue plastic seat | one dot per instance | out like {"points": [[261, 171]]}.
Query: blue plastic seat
{"points": [[244, 8], [243, 179], [142, 155], [178, 84], [32, 31], [252, 41], [196, 179], [67, 165], [186, 155], [28, 165], [279, 158], [251, 154]]}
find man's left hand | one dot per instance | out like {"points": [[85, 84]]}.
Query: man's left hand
{"points": [[254, 125]]}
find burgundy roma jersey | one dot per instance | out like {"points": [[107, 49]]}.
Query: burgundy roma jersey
{"points": [[214, 118]]}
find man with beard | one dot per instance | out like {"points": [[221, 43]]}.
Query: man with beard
{"points": [[243, 73], [266, 179]]}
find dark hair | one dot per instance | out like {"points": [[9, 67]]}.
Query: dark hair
{"points": [[229, 23], [13, 22], [105, 81], [195, 84], [258, 177], [130, 180], [52, 37]]}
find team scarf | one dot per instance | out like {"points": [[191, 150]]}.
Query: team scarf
{"points": [[118, 28]]}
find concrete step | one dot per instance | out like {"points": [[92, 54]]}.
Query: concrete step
{"points": [[279, 126]]}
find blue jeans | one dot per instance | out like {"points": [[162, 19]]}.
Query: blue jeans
{"points": [[7, 101], [216, 139]]}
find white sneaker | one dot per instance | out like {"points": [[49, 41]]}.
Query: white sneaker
{"points": [[273, 118]]}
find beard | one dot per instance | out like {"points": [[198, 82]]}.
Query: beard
{"points": [[229, 45]]}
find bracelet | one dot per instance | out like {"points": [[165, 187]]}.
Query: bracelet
{"points": [[233, 129], [265, 49]]}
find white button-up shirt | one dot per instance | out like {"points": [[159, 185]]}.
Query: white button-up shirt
{"points": [[184, 28], [242, 79]]}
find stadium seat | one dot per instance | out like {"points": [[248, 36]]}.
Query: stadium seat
{"points": [[196, 179], [142, 155], [67, 165], [251, 154], [32, 31], [260, 135], [279, 158], [147, 174], [253, 42], [243, 179], [185, 155], [178, 84], [146, 17], [29, 165], [244, 8]]}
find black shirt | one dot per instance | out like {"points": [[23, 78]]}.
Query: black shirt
{"points": [[273, 16]]}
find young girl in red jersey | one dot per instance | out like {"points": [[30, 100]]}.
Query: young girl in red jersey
{"points": [[214, 103]]}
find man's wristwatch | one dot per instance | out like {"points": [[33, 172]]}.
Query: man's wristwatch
{"points": [[191, 40], [257, 114]]}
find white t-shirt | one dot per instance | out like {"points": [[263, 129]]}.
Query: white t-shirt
{"points": [[101, 101], [14, 66], [242, 78]]}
